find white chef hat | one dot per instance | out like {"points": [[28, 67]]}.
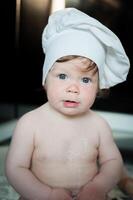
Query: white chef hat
{"points": [[72, 32]]}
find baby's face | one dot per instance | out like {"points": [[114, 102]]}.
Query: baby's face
{"points": [[71, 89]]}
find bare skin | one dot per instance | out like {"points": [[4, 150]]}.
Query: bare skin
{"points": [[63, 150], [63, 158]]}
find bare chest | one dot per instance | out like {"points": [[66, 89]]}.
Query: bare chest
{"points": [[67, 146]]}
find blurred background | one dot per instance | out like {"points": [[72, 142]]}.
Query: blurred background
{"points": [[22, 56], [21, 71]]}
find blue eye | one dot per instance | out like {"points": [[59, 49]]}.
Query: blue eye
{"points": [[62, 76], [86, 80]]}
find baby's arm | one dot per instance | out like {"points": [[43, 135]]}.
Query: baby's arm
{"points": [[19, 160], [110, 160], [110, 170]]}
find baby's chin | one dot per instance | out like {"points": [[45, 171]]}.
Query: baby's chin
{"points": [[73, 112]]}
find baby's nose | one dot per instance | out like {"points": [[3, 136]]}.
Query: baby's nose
{"points": [[73, 88]]}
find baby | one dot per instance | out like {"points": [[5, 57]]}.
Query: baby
{"points": [[63, 150]]}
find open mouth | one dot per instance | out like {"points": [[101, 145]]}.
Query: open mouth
{"points": [[70, 104]]}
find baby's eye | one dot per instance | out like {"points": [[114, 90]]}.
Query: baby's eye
{"points": [[62, 76], [86, 80]]}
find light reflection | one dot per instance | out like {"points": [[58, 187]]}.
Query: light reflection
{"points": [[18, 4], [57, 5]]}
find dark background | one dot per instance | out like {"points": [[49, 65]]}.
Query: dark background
{"points": [[22, 59]]}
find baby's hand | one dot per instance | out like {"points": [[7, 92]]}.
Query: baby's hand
{"points": [[60, 194], [91, 192]]}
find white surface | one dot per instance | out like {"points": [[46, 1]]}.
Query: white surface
{"points": [[122, 127], [6, 129]]}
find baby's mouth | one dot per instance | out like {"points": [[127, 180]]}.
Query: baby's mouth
{"points": [[70, 104]]}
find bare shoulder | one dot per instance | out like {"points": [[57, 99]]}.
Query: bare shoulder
{"points": [[104, 131], [30, 119], [100, 122]]}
